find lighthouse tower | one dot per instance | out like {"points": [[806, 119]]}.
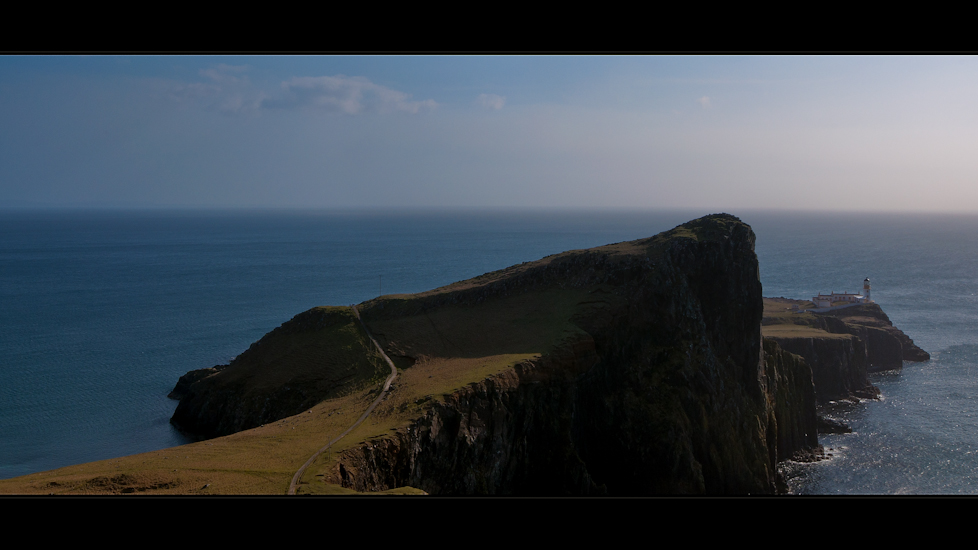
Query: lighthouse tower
{"points": [[866, 290]]}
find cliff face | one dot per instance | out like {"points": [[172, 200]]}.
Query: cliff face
{"points": [[791, 394], [887, 347], [508, 434], [520, 433], [664, 390], [839, 365], [842, 346]]}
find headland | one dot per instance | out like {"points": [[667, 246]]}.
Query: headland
{"points": [[644, 367], [842, 345]]}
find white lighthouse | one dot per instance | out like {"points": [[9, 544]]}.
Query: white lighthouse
{"points": [[842, 299]]}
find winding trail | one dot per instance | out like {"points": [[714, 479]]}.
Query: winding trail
{"points": [[383, 393]]}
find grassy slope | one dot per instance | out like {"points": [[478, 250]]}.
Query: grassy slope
{"points": [[319, 354], [334, 357], [454, 347], [780, 321]]}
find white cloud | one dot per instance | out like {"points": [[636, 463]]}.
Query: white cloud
{"points": [[346, 95], [224, 74], [704, 101], [229, 90], [491, 101]]}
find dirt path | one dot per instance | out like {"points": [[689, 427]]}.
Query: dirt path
{"points": [[383, 393]]}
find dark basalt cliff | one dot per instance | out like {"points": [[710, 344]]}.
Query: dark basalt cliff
{"points": [[791, 393], [887, 347], [839, 366], [661, 385], [858, 340], [541, 430]]}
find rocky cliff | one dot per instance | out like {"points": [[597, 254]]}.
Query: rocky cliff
{"points": [[887, 347], [640, 371], [839, 365], [791, 394], [841, 346], [520, 433]]}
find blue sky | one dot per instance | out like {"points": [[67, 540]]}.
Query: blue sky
{"points": [[707, 132]]}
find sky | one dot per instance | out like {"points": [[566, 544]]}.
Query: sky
{"points": [[850, 133]]}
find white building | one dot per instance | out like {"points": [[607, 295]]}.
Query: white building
{"points": [[828, 300]]}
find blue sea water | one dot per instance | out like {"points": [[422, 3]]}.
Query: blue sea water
{"points": [[921, 437], [102, 311]]}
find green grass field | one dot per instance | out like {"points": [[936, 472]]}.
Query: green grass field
{"points": [[780, 320]]}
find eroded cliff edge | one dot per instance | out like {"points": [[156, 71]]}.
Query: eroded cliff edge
{"points": [[639, 370], [538, 430], [842, 346]]}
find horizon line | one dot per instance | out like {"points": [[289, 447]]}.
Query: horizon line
{"points": [[6, 209]]}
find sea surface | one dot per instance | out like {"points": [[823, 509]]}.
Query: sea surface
{"points": [[102, 311]]}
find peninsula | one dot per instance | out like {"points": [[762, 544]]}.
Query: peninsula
{"points": [[635, 368], [842, 345]]}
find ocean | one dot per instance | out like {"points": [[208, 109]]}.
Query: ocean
{"points": [[102, 311]]}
